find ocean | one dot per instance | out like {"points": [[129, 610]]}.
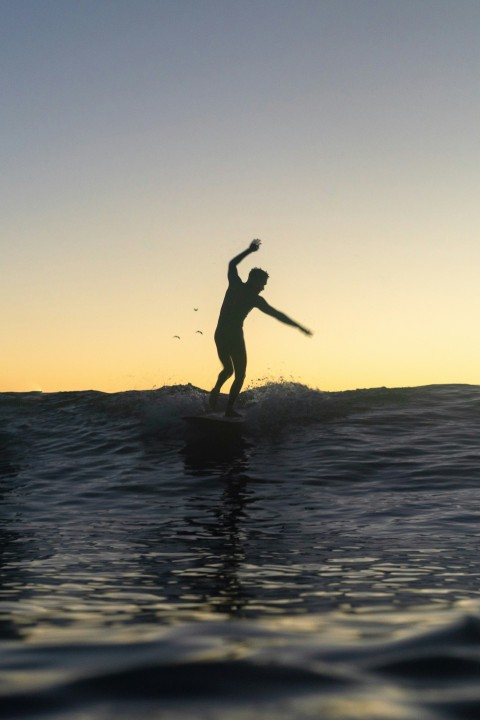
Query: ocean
{"points": [[323, 564]]}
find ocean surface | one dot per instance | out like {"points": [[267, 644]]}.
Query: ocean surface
{"points": [[323, 564]]}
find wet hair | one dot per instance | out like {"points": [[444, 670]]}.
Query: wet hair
{"points": [[258, 274]]}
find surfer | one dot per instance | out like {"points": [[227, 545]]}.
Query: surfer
{"points": [[240, 298]]}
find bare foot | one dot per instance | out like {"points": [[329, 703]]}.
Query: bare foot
{"points": [[213, 399]]}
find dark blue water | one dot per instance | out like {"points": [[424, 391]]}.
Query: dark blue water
{"points": [[323, 564]]}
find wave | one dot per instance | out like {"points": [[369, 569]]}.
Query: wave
{"points": [[276, 404], [218, 669], [426, 435], [114, 527], [282, 391]]}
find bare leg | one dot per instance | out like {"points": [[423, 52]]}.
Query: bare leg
{"points": [[225, 373], [239, 357], [215, 392]]}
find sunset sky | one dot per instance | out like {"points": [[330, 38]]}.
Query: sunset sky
{"points": [[145, 143]]}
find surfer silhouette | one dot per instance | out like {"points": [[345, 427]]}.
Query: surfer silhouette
{"points": [[240, 298]]}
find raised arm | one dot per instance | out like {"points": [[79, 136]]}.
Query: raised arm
{"points": [[273, 312], [232, 265]]}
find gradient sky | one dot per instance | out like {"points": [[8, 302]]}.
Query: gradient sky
{"points": [[146, 143]]}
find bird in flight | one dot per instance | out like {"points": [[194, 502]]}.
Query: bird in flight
{"points": [[177, 336]]}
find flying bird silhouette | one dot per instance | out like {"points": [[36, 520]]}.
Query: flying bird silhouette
{"points": [[199, 331], [177, 336]]}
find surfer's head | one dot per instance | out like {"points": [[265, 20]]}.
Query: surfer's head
{"points": [[257, 279]]}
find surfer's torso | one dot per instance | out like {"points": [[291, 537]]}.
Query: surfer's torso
{"points": [[239, 300]]}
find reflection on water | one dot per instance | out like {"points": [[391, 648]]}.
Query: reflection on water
{"points": [[207, 531], [214, 576]]}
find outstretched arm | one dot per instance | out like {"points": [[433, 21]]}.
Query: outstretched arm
{"points": [[232, 265], [269, 310]]}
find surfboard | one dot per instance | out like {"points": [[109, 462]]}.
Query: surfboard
{"points": [[215, 421]]}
